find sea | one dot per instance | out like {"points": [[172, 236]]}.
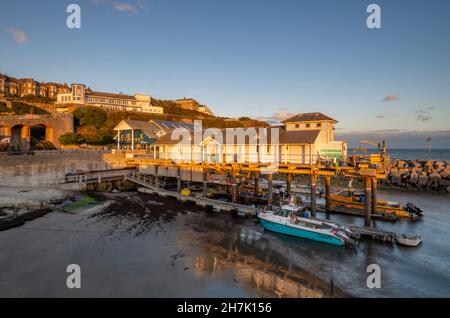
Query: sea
{"points": [[413, 154]]}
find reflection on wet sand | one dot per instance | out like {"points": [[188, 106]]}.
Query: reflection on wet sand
{"points": [[222, 244], [256, 266]]}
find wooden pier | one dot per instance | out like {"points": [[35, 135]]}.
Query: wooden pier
{"points": [[154, 184], [152, 187], [369, 172], [245, 210]]}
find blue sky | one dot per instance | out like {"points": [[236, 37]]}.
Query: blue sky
{"points": [[259, 58]]}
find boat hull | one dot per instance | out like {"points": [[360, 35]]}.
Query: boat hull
{"points": [[288, 230], [344, 202]]}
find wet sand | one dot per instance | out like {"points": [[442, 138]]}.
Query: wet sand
{"points": [[143, 246]]}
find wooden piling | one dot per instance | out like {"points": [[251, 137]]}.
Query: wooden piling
{"points": [[288, 184], [205, 183], [234, 186], [256, 191], [327, 193], [269, 188], [367, 195], [178, 179], [313, 194], [374, 195]]}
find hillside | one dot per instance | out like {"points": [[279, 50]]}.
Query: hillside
{"points": [[95, 126]]}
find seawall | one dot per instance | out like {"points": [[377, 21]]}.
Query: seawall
{"points": [[49, 168], [419, 175]]}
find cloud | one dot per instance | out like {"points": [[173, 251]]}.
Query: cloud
{"points": [[125, 6], [424, 114], [422, 117], [391, 98], [282, 114], [18, 35]]}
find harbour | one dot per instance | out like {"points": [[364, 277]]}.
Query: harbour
{"points": [[225, 156], [203, 254]]}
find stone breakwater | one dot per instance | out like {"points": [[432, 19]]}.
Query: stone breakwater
{"points": [[420, 175]]}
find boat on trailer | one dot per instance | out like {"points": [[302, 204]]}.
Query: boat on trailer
{"points": [[293, 219]]}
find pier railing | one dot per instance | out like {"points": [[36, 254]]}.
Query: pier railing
{"points": [[234, 158]]}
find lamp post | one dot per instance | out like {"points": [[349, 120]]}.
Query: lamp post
{"points": [[429, 147]]}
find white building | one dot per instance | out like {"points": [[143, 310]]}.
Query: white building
{"points": [[80, 95]]}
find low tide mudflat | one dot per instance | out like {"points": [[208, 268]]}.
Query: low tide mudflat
{"points": [[145, 246]]}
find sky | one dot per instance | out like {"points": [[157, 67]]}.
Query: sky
{"points": [[265, 59]]}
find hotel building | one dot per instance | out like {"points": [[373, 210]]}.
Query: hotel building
{"points": [[80, 95]]}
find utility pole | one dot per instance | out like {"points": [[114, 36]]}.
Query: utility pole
{"points": [[429, 147]]}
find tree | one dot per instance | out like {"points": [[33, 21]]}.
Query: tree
{"points": [[70, 139], [89, 116]]}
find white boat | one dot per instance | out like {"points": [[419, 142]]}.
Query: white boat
{"points": [[408, 240], [293, 220]]}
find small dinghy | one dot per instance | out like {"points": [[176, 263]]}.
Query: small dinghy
{"points": [[408, 240]]}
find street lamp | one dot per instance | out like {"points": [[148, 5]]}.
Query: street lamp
{"points": [[429, 147]]}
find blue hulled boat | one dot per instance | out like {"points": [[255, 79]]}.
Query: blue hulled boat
{"points": [[290, 219]]}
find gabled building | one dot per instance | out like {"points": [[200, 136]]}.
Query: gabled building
{"points": [[137, 134], [325, 145], [304, 139]]}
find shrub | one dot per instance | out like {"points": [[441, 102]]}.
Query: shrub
{"points": [[70, 139]]}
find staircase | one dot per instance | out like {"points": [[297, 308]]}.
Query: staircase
{"points": [[146, 180]]}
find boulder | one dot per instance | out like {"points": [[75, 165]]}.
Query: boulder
{"points": [[401, 163], [448, 189], [413, 178], [433, 179], [428, 163], [423, 180], [427, 169], [445, 173], [395, 178], [435, 176], [444, 182]]}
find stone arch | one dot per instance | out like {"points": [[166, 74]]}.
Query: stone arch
{"points": [[16, 136], [38, 133]]}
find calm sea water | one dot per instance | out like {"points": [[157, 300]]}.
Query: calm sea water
{"points": [[146, 246], [411, 154]]}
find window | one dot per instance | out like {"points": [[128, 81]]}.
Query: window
{"points": [[297, 125], [308, 125], [319, 125]]}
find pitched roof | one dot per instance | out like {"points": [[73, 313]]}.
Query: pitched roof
{"points": [[111, 95], [285, 137], [299, 136], [166, 125], [146, 127], [308, 117]]}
